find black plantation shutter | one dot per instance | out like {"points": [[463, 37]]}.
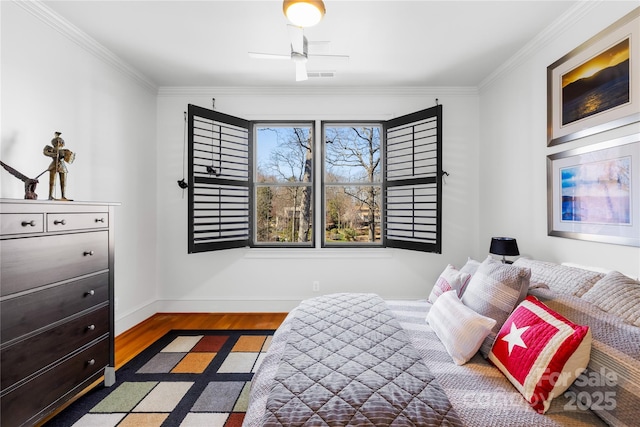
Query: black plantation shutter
{"points": [[219, 180], [413, 185]]}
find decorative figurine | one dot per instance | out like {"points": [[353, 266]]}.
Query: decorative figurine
{"points": [[60, 156], [29, 183]]}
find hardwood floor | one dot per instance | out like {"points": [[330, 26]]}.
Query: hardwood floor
{"points": [[133, 341]]}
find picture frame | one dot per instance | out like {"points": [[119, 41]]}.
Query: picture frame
{"points": [[595, 87], [592, 192]]}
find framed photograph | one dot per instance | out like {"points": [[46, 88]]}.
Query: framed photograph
{"points": [[596, 86], [593, 194]]}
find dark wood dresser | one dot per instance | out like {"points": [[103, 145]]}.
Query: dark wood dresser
{"points": [[56, 304]]}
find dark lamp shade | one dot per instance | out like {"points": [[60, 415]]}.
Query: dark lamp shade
{"points": [[504, 246]]}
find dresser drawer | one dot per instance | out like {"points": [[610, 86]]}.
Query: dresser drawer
{"points": [[35, 310], [36, 398], [26, 357], [36, 261], [19, 223], [76, 221]]}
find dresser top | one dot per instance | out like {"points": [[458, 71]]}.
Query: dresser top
{"points": [[26, 206], [57, 202]]}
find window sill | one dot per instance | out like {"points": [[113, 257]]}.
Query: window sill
{"points": [[318, 253]]}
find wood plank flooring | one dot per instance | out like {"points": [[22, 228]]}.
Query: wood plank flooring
{"points": [[133, 341]]}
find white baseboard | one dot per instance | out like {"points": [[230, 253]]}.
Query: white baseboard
{"points": [[227, 306], [130, 319]]}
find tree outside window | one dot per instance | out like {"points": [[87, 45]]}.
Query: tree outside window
{"points": [[352, 184], [283, 184]]}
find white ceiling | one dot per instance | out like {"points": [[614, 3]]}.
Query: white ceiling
{"points": [[390, 43]]}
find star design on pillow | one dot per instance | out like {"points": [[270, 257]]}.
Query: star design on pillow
{"points": [[514, 337]]}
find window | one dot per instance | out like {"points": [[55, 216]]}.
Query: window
{"points": [[251, 183], [283, 184], [352, 184]]}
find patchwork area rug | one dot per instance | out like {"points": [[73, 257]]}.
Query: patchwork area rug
{"points": [[186, 378]]}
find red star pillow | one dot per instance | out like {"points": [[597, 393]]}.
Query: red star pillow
{"points": [[540, 352]]}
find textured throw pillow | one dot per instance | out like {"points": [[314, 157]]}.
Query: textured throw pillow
{"points": [[494, 291], [617, 294], [539, 271], [560, 278], [450, 279], [541, 352], [459, 328]]}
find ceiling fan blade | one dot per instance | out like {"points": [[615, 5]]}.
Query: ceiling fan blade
{"points": [[296, 35], [331, 57], [258, 55], [301, 71]]}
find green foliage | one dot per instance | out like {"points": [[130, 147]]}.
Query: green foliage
{"points": [[264, 213], [349, 234]]}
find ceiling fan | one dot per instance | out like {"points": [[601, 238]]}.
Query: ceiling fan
{"points": [[299, 53]]}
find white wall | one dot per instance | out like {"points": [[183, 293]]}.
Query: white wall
{"points": [[513, 151], [52, 82], [277, 279]]}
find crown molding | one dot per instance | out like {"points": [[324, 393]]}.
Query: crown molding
{"points": [[543, 39], [41, 11], [171, 91]]}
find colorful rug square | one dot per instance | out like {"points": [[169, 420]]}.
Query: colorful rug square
{"points": [[186, 378]]}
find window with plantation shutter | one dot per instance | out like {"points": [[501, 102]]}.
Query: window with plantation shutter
{"points": [[242, 198], [219, 150], [413, 181]]}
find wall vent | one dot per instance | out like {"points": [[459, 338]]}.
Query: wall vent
{"points": [[320, 74]]}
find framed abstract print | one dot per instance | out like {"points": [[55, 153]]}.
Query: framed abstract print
{"points": [[593, 192]]}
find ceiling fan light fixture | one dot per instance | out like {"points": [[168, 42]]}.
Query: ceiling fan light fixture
{"points": [[304, 13]]}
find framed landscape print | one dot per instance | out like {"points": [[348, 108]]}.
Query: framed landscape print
{"points": [[596, 86], [593, 192]]}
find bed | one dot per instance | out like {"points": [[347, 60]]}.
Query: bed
{"points": [[356, 359]]}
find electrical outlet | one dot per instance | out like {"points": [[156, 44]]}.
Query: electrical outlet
{"points": [[316, 286], [115, 304]]}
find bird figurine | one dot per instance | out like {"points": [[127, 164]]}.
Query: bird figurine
{"points": [[29, 183]]}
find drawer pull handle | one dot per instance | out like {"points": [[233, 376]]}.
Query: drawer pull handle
{"points": [[91, 362], [91, 327], [100, 220], [90, 293], [59, 222], [31, 223], [88, 253]]}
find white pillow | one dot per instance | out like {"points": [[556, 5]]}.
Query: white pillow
{"points": [[449, 279], [460, 329], [470, 267]]}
